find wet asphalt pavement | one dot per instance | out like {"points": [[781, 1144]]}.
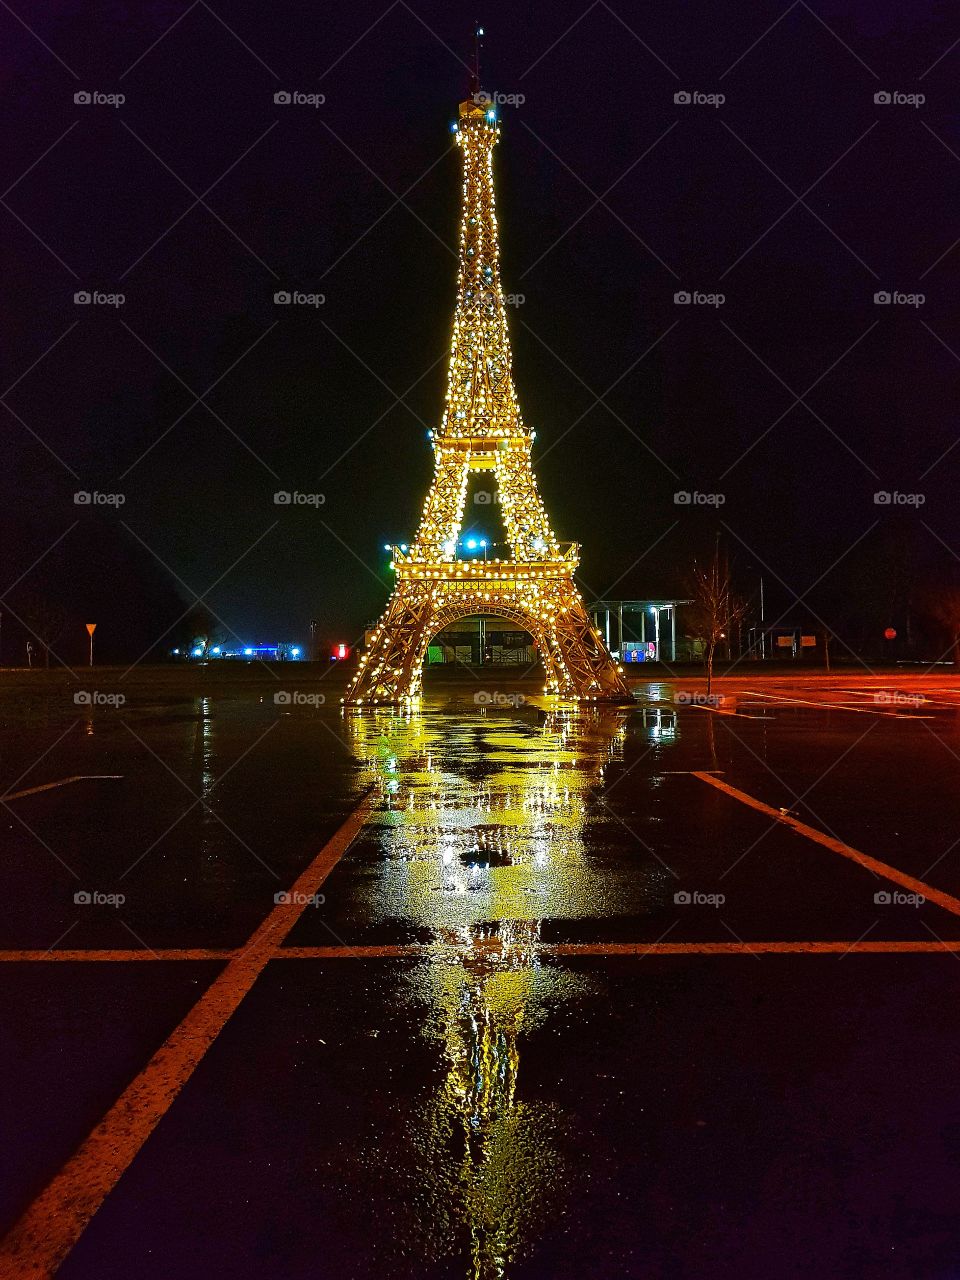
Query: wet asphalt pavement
{"points": [[452, 1089]]}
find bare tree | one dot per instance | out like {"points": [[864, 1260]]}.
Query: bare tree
{"points": [[716, 609], [942, 604], [45, 619], [200, 626]]}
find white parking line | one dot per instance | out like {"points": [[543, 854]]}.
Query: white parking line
{"points": [[37, 1244], [720, 711], [911, 883], [903, 697], [834, 706], [49, 786]]}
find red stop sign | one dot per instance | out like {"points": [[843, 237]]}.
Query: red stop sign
{"points": [[890, 634]]}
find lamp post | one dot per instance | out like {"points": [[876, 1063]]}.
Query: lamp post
{"points": [[762, 646], [763, 638], [655, 610], [91, 628]]}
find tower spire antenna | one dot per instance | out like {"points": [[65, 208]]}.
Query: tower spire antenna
{"points": [[475, 78]]}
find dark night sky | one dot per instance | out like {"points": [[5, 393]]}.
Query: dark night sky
{"points": [[337, 399]]}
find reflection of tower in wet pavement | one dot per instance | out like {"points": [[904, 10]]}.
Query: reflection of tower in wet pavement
{"points": [[509, 1171], [483, 841]]}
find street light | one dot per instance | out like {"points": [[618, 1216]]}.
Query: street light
{"points": [[654, 609], [472, 544], [763, 637]]}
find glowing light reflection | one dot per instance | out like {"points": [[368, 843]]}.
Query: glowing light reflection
{"points": [[486, 841]]}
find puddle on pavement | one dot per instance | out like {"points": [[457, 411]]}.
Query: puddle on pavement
{"points": [[484, 831]]}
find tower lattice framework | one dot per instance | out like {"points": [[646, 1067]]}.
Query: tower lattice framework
{"points": [[483, 431]]}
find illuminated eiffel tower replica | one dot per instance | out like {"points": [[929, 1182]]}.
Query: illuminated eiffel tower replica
{"points": [[483, 431]]}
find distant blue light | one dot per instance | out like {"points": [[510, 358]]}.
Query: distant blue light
{"points": [[216, 649], [198, 652], [295, 652], [471, 544], [248, 653]]}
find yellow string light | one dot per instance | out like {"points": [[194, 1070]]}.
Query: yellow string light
{"points": [[482, 430]]}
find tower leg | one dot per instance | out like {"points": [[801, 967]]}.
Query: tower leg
{"points": [[587, 669], [391, 668]]}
